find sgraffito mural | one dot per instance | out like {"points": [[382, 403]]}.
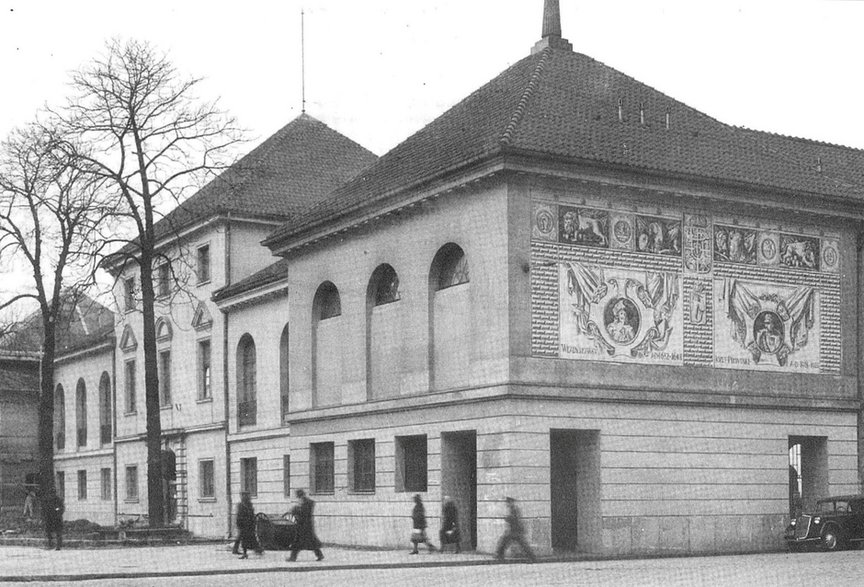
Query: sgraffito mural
{"points": [[679, 289], [613, 314]]}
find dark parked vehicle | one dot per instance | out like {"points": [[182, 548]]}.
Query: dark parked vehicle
{"points": [[835, 523]]}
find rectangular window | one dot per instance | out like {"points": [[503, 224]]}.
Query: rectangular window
{"points": [[286, 475], [206, 485], [165, 378], [82, 485], [60, 484], [106, 484], [204, 390], [130, 386], [249, 476], [361, 460], [322, 467], [132, 483], [163, 280], [129, 294], [411, 465], [203, 264]]}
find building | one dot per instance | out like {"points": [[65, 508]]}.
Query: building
{"points": [[569, 288]]}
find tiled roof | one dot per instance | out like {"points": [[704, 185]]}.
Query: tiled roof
{"points": [[297, 166], [270, 274], [80, 325], [566, 105]]}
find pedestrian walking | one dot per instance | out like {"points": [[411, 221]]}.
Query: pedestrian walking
{"points": [[52, 516], [418, 519], [449, 533], [515, 532], [29, 504], [246, 526], [306, 538]]}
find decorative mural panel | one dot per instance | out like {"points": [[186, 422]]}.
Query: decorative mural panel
{"points": [[682, 289], [766, 326], [583, 226], [622, 315]]}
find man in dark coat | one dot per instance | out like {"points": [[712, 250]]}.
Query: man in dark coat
{"points": [[515, 532], [306, 538], [246, 526], [449, 533], [52, 516], [418, 518]]}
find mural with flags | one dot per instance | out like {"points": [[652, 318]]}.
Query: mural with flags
{"points": [[620, 315], [761, 325]]}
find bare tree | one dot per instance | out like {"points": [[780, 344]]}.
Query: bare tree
{"points": [[49, 214], [152, 141]]}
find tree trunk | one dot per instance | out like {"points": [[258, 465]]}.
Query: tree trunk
{"points": [[46, 411], [155, 497]]}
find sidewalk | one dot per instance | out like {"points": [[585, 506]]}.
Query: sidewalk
{"points": [[27, 563]]}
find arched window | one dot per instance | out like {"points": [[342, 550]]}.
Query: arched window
{"points": [[326, 346], [283, 371], [383, 334], [450, 267], [449, 318], [81, 412], [59, 417], [246, 381], [105, 408]]}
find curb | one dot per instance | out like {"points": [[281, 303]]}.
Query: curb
{"points": [[256, 570]]}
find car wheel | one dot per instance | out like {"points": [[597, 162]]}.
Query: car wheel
{"points": [[831, 539]]}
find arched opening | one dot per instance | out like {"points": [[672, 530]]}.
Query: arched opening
{"points": [[247, 409], [105, 432], [449, 318], [326, 346], [383, 334], [81, 413], [59, 418]]}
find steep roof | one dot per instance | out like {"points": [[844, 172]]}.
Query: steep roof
{"points": [[83, 323], [566, 105], [270, 274], [297, 166]]}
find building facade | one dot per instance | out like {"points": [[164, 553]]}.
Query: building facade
{"points": [[569, 289]]}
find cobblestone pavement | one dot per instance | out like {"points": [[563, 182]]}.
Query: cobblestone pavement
{"points": [[217, 567]]}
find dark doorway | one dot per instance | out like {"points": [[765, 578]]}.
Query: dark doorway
{"points": [[808, 472], [459, 480], [574, 489]]}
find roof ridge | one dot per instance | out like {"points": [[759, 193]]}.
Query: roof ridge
{"points": [[530, 88]]}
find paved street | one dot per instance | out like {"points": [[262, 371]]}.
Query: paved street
{"points": [[347, 567]]}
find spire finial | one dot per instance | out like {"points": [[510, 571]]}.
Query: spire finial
{"points": [[551, 29]]}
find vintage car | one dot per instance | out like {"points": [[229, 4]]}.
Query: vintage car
{"points": [[275, 532], [835, 523]]}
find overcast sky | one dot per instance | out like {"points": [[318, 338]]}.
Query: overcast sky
{"points": [[378, 70]]}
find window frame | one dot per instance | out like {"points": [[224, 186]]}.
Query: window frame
{"points": [[286, 475], [412, 467], [249, 476], [164, 381], [81, 414], [322, 471], [361, 461], [163, 280], [129, 294], [203, 475], [205, 376], [132, 489], [82, 484], [203, 270], [129, 387], [106, 489]]}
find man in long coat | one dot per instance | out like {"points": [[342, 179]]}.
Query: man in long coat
{"points": [[306, 538], [515, 532], [246, 526], [449, 532], [52, 516]]}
